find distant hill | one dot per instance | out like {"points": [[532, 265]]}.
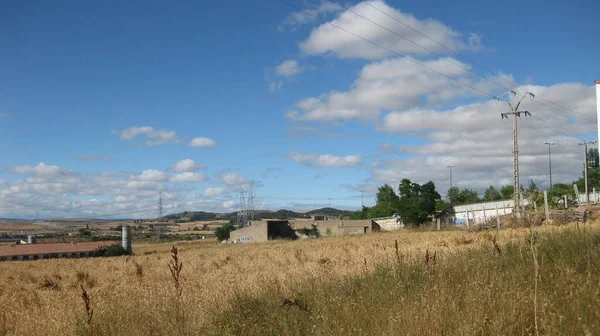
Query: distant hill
{"points": [[331, 212]]}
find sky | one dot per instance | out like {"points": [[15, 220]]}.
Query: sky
{"points": [[103, 106]]}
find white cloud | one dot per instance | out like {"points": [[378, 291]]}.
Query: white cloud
{"points": [[275, 86], [202, 142], [214, 192], [327, 39], [187, 165], [41, 169], [288, 69], [308, 15], [228, 204], [321, 175], [154, 136], [390, 84], [187, 177], [233, 179], [150, 175], [475, 139], [325, 160]]}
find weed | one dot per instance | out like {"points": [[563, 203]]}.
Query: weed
{"points": [[175, 267], [89, 311], [48, 283]]}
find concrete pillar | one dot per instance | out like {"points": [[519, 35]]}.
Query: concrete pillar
{"points": [[438, 223], [31, 239], [126, 238], [566, 202], [497, 217], [546, 206]]}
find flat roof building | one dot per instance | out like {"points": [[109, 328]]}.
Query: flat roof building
{"points": [[49, 251]]}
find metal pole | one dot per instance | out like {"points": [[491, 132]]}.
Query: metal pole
{"points": [[585, 175], [450, 196], [546, 206], [550, 160]]}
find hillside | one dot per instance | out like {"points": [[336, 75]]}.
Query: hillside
{"points": [[192, 216], [331, 212]]}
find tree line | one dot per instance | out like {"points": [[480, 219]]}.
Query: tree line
{"points": [[417, 204]]}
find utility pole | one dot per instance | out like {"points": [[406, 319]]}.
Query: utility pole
{"points": [[450, 195], [362, 199], [550, 160], [585, 170], [394, 185], [515, 112]]}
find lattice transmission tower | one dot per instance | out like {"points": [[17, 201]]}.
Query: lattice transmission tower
{"points": [[245, 214], [160, 205]]}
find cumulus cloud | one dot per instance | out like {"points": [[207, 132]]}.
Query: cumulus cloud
{"points": [[214, 192], [187, 177], [475, 139], [187, 165], [328, 39], [154, 136], [288, 69], [391, 84], [41, 169], [202, 142], [232, 179], [308, 15], [325, 160], [150, 175]]}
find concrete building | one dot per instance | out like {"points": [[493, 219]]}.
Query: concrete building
{"points": [[337, 228], [261, 231]]}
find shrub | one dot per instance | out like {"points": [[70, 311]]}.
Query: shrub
{"points": [[113, 250], [223, 232]]}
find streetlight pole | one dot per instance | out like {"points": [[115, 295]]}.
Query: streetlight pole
{"points": [[550, 160], [449, 193], [394, 185], [362, 199]]}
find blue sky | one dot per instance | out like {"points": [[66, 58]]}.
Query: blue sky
{"points": [[279, 97]]}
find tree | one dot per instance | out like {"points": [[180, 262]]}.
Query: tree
{"points": [[387, 203], [507, 192], [417, 203], [465, 196], [113, 250], [491, 194], [593, 173], [558, 192], [223, 232], [453, 194]]}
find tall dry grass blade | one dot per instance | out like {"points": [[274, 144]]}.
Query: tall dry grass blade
{"points": [[89, 310]]}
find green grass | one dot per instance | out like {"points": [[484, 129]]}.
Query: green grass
{"points": [[479, 292]]}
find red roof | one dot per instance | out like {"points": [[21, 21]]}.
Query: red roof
{"points": [[53, 248]]}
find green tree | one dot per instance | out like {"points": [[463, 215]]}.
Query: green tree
{"points": [[507, 192], [465, 196], [223, 232], [491, 194], [417, 203], [558, 192], [387, 203]]}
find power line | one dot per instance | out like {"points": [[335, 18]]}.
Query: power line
{"points": [[392, 51], [466, 58]]}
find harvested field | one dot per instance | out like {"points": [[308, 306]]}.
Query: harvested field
{"points": [[136, 295]]}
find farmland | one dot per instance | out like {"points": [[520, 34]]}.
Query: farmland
{"points": [[413, 283]]}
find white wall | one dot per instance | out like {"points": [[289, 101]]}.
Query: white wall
{"points": [[480, 212]]}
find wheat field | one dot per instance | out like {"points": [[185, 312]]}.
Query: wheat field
{"points": [[135, 295]]}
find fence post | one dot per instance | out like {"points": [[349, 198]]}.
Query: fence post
{"points": [[566, 202], [594, 196], [546, 206], [497, 217], [467, 218], [438, 224]]}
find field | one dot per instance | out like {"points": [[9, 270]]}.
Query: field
{"points": [[408, 283]]}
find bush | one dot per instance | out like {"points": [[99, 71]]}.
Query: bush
{"points": [[113, 250], [223, 232], [313, 232]]}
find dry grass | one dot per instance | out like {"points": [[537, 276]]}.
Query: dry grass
{"points": [[134, 295]]}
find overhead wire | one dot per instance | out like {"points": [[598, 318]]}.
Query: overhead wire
{"points": [[558, 127], [540, 99]]}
